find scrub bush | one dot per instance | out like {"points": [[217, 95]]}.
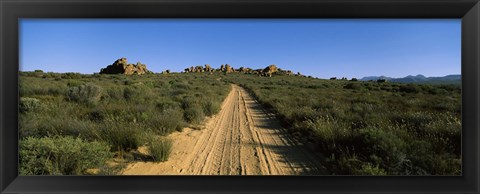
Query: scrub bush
{"points": [[86, 93], [61, 155]]}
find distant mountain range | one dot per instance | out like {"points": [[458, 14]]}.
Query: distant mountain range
{"points": [[449, 79]]}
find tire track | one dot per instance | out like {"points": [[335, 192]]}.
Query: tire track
{"points": [[242, 139]]}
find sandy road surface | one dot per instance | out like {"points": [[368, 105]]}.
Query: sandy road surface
{"points": [[242, 139]]}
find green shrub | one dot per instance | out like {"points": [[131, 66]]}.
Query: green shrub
{"points": [[181, 86], [410, 88], [71, 75], [347, 165], [60, 155], [210, 108], [96, 115], [160, 149], [56, 91], [29, 104], [451, 88], [354, 86], [129, 93], [74, 83], [86, 93], [136, 93], [40, 126], [189, 102], [382, 145], [31, 86], [167, 121], [129, 82], [415, 121], [165, 104], [121, 136], [369, 169], [420, 153], [194, 114], [116, 93]]}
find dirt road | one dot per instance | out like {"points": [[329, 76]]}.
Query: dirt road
{"points": [[242, 139]]}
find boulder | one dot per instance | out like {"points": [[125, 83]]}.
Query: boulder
{"points": [[141, 68], [245, 70], [257, 71], [268, 71], [208, 68], [228, 68], [198, 69], [283, 72]]}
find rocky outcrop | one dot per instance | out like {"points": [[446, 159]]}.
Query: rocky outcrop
{"points": [[208, 68], [190, 69], [166, 71], [283, 72], [226, 68], [257, 72], [199, 68], [268, 71], [244, 70], [121, 66], [229, 69]]}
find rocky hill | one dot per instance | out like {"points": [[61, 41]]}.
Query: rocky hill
{"points": [[121, 66]]}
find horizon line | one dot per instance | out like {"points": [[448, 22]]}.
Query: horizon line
{"points": [[338, 77]]}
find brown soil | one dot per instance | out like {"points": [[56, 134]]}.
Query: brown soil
{"points": [[242, 139]]}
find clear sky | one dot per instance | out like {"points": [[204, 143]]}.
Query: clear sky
{"points": [[319, 47]]}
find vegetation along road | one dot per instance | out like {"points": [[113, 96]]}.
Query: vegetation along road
{"points": [[242, 139]]}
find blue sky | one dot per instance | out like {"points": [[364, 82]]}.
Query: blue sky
{"points": [[319, 47]]}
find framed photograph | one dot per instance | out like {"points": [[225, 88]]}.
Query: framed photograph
{"points": [[228, 96]]}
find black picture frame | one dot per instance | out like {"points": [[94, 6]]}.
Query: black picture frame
{"points": [[12, 10]]}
